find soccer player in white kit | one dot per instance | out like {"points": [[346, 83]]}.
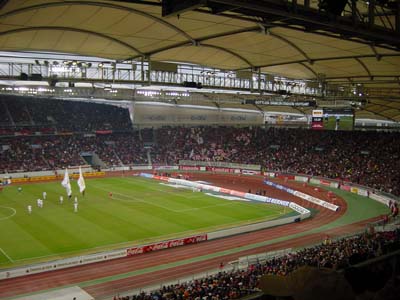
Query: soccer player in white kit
{"points": [[44, 195], [38, 202], [29, 209], [76, 207], [61, 199], [76, 199]]}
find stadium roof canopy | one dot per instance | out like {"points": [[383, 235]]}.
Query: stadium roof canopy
{"points": [[125, 30]]}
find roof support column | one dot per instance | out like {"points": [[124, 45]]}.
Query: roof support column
{"points": [[354, 11], [149, 70], [142, 68], [251, 83], [294, 5], [371, 13], [398, 17]]}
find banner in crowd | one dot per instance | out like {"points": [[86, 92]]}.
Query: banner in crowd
{"points": [[54, 177], [219, 164], [314, 181], [380, 198], [192, 168], [362, 192], [281, 103], [270, 174], [169, 168], [301, 178], [345, 187], [324, 182], [232, 171], [104, 131], [318, 181]]}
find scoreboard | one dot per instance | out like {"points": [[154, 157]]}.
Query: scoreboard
{"points": [[332, 119]]}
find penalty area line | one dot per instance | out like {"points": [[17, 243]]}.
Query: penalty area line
{"points": [[6, 255]]}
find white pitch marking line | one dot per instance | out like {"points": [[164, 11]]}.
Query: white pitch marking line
{"points": [[6, 255], [167, 208], [130, 198], [158, 205], [210, 206], [10, 216]]}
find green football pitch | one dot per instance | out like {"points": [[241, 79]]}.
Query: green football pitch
{"points": [[140, 211]]}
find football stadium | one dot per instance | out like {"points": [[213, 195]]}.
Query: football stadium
{"points": [[205, 150]]}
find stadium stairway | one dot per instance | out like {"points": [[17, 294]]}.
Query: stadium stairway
{"points": [[8, 113], [119, 159], [149, 157], [93, 159]]}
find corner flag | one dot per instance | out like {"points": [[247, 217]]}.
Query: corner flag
{"points": [[81, 182], [65, 183]]}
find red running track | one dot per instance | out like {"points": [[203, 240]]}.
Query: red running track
{"points": [[76, 275]]}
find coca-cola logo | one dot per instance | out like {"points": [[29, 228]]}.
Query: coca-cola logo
{"points": [[135, 251], [158, 246], [201, 238], [176, 243]]}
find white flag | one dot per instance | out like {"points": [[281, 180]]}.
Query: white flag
{"points": [[65, 183], [81, 181]]}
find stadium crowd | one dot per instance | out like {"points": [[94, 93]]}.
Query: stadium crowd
{"points": [[54, 152], [25, 114], [237, 283], [60, 131], [366, 158]]}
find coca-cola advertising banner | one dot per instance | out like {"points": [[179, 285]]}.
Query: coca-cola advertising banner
{"points": [[166, 244]]}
